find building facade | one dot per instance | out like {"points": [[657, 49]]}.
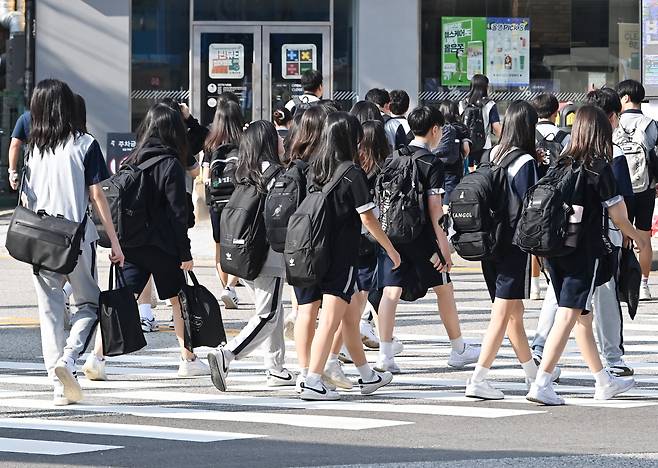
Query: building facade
{"points": [[123, 55]]}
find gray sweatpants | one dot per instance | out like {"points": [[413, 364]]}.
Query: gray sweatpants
{"points": [[56, 342], [607, 317], [266, 326]]}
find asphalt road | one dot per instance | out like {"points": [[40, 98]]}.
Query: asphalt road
{"points": [[146, 416]]}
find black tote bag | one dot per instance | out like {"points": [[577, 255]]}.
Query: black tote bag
{"points": [[121, 328], [630, 276], [201, 315]]}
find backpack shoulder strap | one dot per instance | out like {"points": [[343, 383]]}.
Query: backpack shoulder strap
{"points": [[338, 176], [560, 136], [509, 158], [539, 136], [152, 162]]}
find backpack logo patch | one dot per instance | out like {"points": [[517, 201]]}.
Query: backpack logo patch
{"points": [[291, 262], [228, 256]]}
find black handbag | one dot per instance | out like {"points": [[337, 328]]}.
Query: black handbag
{"points": [[121, 328], [630, 276], [201, 315]]}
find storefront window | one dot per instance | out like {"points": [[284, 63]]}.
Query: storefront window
{"points": [[574, 45], [160, 53], [261, 10]]}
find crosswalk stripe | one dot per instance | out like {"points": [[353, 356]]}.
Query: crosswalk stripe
{"points": [[47, 447], [287, 419], [123, 430]]}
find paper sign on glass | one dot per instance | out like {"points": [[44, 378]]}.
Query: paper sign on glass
{"points": [[296, 59], [226, 61]]}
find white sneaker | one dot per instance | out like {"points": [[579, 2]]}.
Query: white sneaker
{"points": [[149, 325], [381, 379], [333, 373], [470, 355], [230, 298], [218, 368], [616, 386], [344, 356], [321, 393], [398, 347], [544, 395], [65, 372], [298, 382], [282, 378], [58, 394], [368, 335], [94, 368], [194, 368], [645, 292], [555, 378], [620, 369], [387, 365], [483, 390]]}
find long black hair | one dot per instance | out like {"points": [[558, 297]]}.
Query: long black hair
{"points": [[226, 126], [259, 144], [591, 136], [79, 114], [52, 113], [166, 125], [479, 89], [518, 129], [340, 138], [374, 146], [366, 110], [305, 135], [450, 111]]}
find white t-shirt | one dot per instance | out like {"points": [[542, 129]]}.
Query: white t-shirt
{"points": [[304, 99]]}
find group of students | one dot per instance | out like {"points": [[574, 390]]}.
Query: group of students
{"points": [[342, 154]]}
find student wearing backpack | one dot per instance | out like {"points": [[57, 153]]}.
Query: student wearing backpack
{"points": [[344, 197], [634, 126], [220, 158], [397, 128], [575, 275], [311, 82], [282, 119], [426, 259], [508, 274], [382, 99], [63, 175], [259, 162], [453, 148], [608, 312], [481, 117]]}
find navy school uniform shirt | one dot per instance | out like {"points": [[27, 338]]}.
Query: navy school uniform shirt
{"points": [[22, 128], [449, 149]]}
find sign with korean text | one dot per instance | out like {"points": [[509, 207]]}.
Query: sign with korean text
{"points": [[650, 46], [296, 59], [462, 46], [508, 51], [119, 147], [226, 61], [629, 51]]}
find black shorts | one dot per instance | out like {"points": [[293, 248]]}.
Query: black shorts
{"points": [[143, 262], [642, 214], [508, 277], [415, 267], [342, 286], [366, 278], [574, 279], [215, 215]]}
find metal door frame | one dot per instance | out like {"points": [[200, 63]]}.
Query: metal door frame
{"points": [[195, 75], [295, 28]]}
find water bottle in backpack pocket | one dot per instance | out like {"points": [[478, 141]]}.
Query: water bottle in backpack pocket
{"points": [[282, 201]]}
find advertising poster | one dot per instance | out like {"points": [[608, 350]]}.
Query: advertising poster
{"points": [[296, 59], [226, 61], [463, 47], [650, 46], [119, 147], [629, 51], [508, 51]]}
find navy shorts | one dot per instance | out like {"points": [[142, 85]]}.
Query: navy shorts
{"points": [[340, 284], [450, 181], [416, 265], [642, 211], [145, 261], [508, 277], [214, 221], [574, 279], [366, 278]]}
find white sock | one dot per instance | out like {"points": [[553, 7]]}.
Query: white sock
{"points": [[479, 374], [530, 369], [366, 373], [543, 379], [385, 350], [602, 377], [313, 380], [458, 345], [332, 358], [535, 283], [304, 372], [145, 312]]}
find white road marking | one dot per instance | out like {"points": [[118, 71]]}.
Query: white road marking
{"points": [[46, 447]]}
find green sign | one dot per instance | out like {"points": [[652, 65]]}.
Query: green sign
{"points": [[463, 48]]}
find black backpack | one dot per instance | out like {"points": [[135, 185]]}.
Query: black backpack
{"points": [[299, 105], [282, 201], [473, 119], [127, 195], [550, 147], [399, 196], [243, 243], [307, 252], [479, 210], [402, 138], [543, 228], [223, 163]]}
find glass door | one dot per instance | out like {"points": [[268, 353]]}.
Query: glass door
{"points": [[226, 58], [289, 51]]}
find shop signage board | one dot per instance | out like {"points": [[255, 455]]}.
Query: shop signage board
{"points": [[650, 46], [462, 45], [296, 59], [226, 61], [508, 51]]}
